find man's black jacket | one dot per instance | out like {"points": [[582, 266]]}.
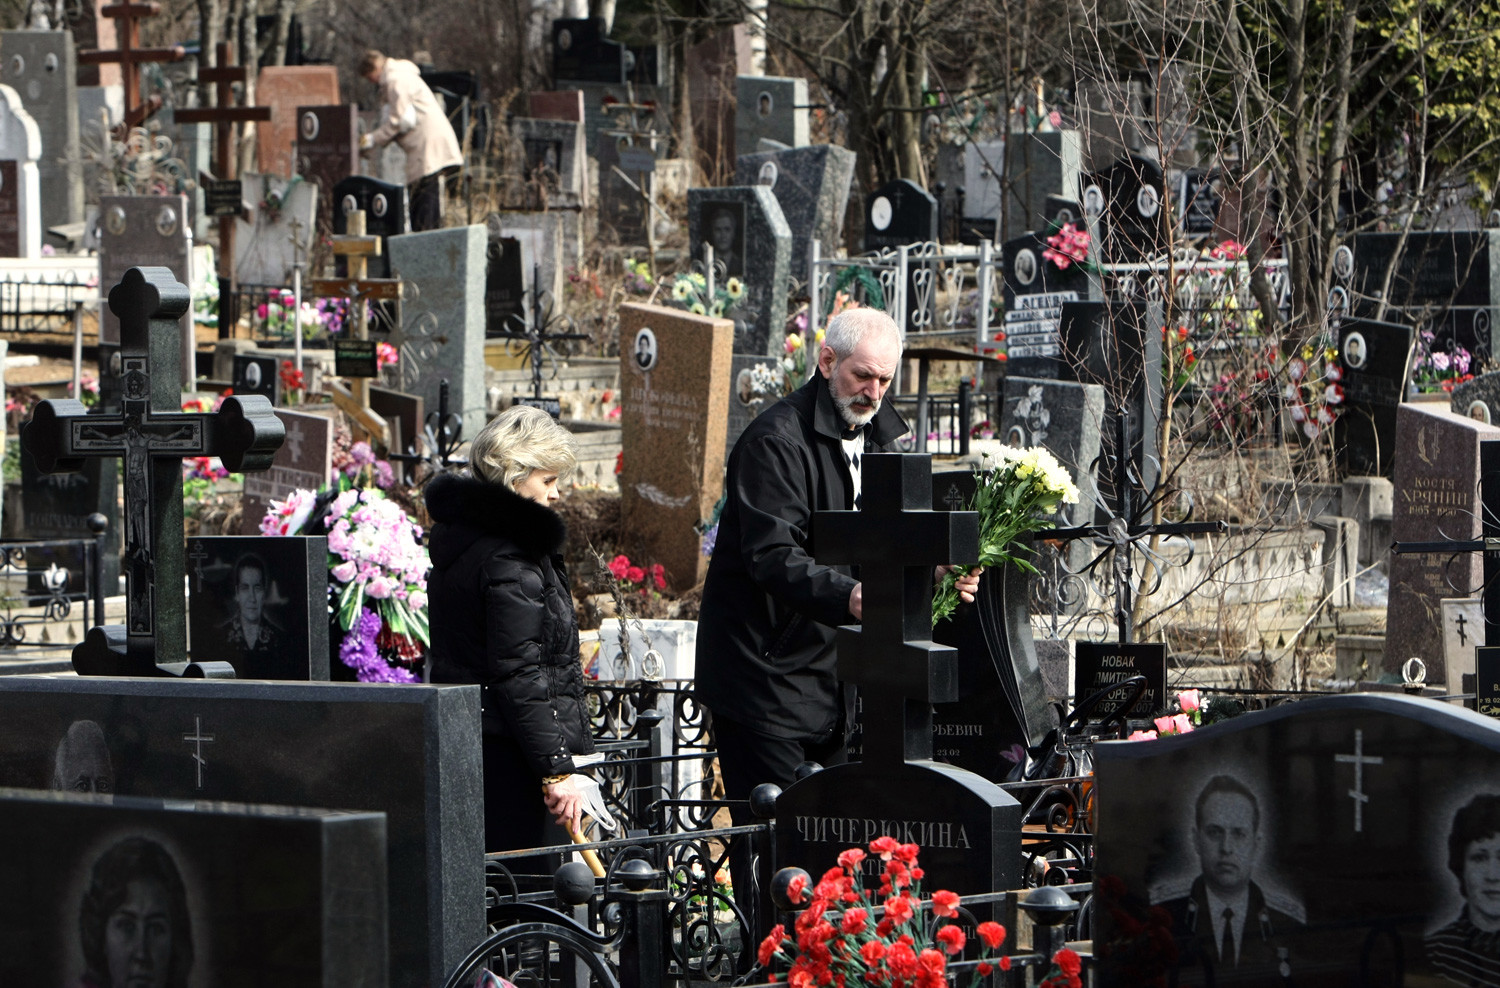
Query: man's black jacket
{"points": [[766, 626]]}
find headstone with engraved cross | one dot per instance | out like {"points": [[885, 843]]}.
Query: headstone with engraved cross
{"points": [[968, 828], [152, 436]]}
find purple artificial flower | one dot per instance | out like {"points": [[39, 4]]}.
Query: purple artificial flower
{"points": [[358, 652], [385, 477], [1440, 362], [710, 536]]}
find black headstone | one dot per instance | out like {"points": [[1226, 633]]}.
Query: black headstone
{"points": [[504, 288], [260, 604], [1130, 191], [386, 215], [257, 374], [900, 213], [581, 53], [1100, 665], [411, 752], [1356, 831], [1443, 282], [248, 894], [1375, 358]]}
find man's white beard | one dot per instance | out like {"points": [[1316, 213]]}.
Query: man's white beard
{"points": [[853, 415]]}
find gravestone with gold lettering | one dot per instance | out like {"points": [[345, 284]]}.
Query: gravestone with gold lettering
{"points": [[1436, 482], [969, 829], [675, 411]]}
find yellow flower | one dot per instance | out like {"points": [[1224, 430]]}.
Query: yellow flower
{"points": [[734, 287], [1331, 353], [697, 309], [698, 279], [1307, 352], [679, 290], [718, 309]]}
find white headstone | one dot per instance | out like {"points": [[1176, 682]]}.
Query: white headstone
{"points": [[20, 183], [264, 252]]}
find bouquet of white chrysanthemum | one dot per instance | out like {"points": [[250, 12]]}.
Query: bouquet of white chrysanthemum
{"points": [[1015, 495]]}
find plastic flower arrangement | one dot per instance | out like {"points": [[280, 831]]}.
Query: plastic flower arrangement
{"points": [[378, 569], [88, 390], [1434, 370], [293, 383], [1193, 711], [277, 316], [690, 292], [1017, 495], [797, 351], [637, 277], [386, 355], [633, 578], [1314, 390], [1067, 247], [846, 934]]}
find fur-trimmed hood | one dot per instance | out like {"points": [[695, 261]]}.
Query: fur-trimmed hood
{"points": [[490, 509]]}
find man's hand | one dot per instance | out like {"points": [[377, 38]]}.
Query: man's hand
{"points": [[565, 802], [857, 602], [967, 585]]}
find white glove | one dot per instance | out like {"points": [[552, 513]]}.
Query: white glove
{"points": [[593, 799]]}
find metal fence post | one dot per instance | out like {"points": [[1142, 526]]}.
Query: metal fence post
{"points": [[965, 406]]}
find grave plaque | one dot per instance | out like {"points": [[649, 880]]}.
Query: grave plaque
{"points": [[410, 751], [260, 604], [327, 152], [769, 108], [811, 184], [247, 894], [1487, 681], [137, 231], [672, 368], [1463, 631], [285, 89], [355, 358], [42, 67], [224, 197], [442, 331], [257, 374], [1100, 665], [752, 242], [304, 460], [1350, 826], [1375, 357], [386, 215], [968, 828], [1436, 497]]}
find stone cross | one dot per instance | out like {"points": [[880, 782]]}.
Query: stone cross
{"points": [[152, 436], [896, 539], [224, 116], [131, 56]]}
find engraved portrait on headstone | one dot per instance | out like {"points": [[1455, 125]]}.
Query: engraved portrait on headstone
{"points": [[1464, 948], [726, 232]]}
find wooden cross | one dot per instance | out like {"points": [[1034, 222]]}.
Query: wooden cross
{"points": [[896, 539], [224, 116], [131, 56], [358, 289], [152, 435]]}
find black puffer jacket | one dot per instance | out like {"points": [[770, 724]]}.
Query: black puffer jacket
{"points": [[502, 616]]}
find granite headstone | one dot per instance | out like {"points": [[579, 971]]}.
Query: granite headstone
{"points": [[811, 184], [752, 242], [260, 604], [769, 108], [756, 382], [305, 460], [409, 751], [42, 67], [553, 152], [623, 209], [20, 184], [141, 231], [984, 166], [1445, 279], [1437, 497], [1347, 820], [1375, 358], [284, 215], [1479, 399], [442, 331], [1067, 419], [564, 104], [327, 152], [1038, 167], [386, 215], [1130, 225], [286, 88], [673, 366], [248, 894]]}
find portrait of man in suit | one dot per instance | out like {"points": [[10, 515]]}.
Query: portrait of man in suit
{"points": [[1229, 928]]}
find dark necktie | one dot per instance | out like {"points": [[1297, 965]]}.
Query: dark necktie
{"points": [[1226, 947]]}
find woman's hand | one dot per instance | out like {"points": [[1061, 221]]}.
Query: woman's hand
{"points": [[967, 585], [565, 802]]}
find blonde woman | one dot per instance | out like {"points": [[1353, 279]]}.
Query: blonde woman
{"points": [[502, 616]]}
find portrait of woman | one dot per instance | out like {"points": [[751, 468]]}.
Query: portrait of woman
{"points": [[133, 922], [1467, 949], [501, 614], [724, 228]]}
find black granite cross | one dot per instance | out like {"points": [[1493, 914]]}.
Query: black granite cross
{"points": [[1124, 532], [896, 539], [152, 435], [1487, 543]]}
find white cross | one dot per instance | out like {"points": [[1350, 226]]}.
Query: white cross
{"points": [[197, 738], [1359, 760]]}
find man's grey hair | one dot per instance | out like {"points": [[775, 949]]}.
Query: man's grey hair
{"points": [[847, 330]]}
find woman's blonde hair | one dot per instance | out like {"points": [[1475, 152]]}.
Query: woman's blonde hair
{"points": [[519, 440]]}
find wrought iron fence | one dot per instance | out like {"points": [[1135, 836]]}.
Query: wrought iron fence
{"points": [[47, 587], [43, 298]]}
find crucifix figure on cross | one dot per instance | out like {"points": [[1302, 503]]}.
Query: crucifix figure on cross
{"points": [[151, 435]]}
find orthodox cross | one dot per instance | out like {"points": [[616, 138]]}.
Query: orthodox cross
{"points": [[197, 739], [224, 116], [538, 333], [131, 56], [1124, 533], [152, 436], [358, 289], [1487, 543], [1359, 760], [896, 539]]}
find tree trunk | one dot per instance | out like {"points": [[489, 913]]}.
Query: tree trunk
{"points": [[279, 40], [210, 33]]}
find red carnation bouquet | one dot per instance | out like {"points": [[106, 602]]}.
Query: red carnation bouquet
{"points": [[849, 935]]}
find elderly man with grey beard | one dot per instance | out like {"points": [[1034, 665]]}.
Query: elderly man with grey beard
{"points": [[767, 669]]}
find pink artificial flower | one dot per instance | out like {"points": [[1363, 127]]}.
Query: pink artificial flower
{"points": [[362, 454], [1142, 736], [1182, 724], [344, 572], [1165, 725], [385, 355], [1189, 700]]}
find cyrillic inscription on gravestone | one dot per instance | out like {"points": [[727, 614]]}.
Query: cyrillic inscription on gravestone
{"points": [[1104, 664], [1487, 680]]}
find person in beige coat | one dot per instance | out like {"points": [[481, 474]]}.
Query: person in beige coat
{"points": [[413, 117]]}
